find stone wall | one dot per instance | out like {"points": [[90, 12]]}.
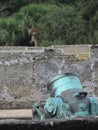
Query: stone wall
{"points": [[25, 71]]}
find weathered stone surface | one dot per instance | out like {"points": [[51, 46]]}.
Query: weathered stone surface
{"points": [[25, 72]]}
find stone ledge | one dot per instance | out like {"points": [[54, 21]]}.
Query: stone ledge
{"points": [[87, 123], [16, 113], [21, 49]]}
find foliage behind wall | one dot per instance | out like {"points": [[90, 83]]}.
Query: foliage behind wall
{"points": [[56, 21]]}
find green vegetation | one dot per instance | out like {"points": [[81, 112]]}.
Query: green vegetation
{"points": [[56, 21]]}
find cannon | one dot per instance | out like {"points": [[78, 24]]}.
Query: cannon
{"points": [[67, 100]]}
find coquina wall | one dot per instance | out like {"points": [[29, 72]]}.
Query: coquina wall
{"points": [[25, 71]]}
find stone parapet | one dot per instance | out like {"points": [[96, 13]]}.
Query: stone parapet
{"points": [[80, 51]]}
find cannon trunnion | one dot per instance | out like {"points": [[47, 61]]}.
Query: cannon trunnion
{"points": [[67, 99]]}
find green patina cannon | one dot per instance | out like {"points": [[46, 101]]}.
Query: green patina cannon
{"points": [[67, 100]]}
